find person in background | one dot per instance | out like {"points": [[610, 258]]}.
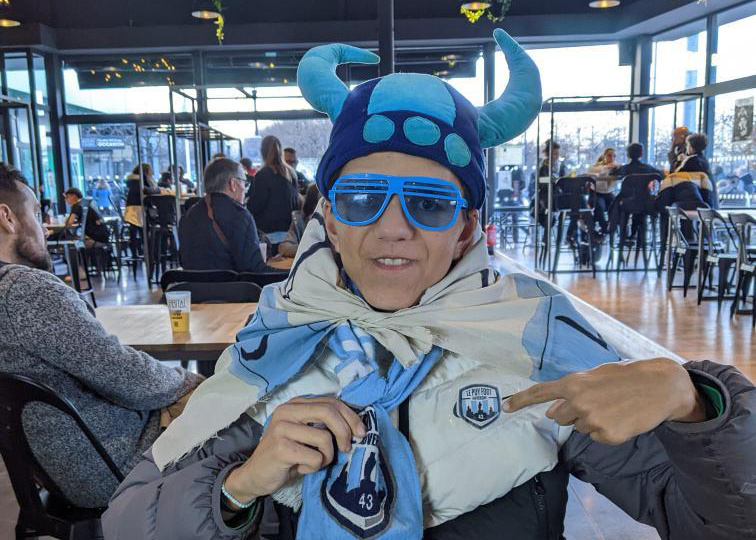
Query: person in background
{"points": [[48, 334], [300, 219], [290, 157], [95, 231], [249, 170], [635, 165], [273, 195], [676, 152], [165, 182], [695, 161], [132, 215], [604, 166], [184, 180], [219, 233], [557, 172], [103, 196]]}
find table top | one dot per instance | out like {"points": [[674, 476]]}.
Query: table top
{"points": [[212, 327], [283, 263]]}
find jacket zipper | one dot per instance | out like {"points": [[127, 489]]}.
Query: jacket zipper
{"points": [[541, 508]]}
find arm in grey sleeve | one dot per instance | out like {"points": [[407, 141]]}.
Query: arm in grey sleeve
{"points": [[50, 318], [184, 500], [689, 481]]}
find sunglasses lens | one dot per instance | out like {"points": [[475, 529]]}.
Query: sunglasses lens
{"points": [[431, 211], [358, 207]]}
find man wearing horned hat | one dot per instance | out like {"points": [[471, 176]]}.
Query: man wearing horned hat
{"points": [[396, 386]]}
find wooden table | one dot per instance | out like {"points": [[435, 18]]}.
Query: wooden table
{"points": [[282, 264], [213, 327]]}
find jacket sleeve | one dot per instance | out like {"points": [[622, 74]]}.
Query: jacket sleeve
{"points": [[246, 254], [689, 481], [184, 500], [127, 377]]}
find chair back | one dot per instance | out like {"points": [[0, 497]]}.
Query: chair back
{"points": [[635, 196], [263, 278], [575, 194], [676, 218], [232, 292], [161, 209], [196, 276], [26, 474], [744, 225]]}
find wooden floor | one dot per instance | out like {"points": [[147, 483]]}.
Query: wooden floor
{"points": [[641, 301]]}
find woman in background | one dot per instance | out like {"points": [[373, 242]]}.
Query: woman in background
{"points": [[605, 166], [300, 219], [133, 213], [273, 195]]}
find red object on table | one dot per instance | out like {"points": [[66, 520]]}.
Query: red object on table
{"points": [[491, 237]]}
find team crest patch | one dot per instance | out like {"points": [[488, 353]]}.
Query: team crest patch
{"points": [[479, 405], [359, 494]]}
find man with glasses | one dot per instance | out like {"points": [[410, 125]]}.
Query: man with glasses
{"points": [[219, 233], [396, 386]]}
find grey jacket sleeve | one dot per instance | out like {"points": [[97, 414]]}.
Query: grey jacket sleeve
{"points": [[689, 481], [47, 316], [183, 501]]}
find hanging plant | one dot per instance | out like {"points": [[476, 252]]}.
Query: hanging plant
{"points": [[498, 11], [495, 11], [219, 21]]}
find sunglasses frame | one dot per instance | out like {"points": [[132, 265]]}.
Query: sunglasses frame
{"points": [[395, 186]]}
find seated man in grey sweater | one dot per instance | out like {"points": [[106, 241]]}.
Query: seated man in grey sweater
{"points": [[48, 334]]}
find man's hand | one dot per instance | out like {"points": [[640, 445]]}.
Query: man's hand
{"points": [[616, 402], [291, 446]]}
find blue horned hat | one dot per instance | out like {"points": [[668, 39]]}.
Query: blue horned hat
{"points": [[416, 114]]}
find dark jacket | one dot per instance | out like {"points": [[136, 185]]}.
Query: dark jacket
{"points": [[271, 200], [689, 481], [132, 190], [95, 227], [636, 166], [699, 163], [200, 247]]}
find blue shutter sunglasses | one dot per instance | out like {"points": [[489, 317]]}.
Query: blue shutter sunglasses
{"points": [[430, 204]]}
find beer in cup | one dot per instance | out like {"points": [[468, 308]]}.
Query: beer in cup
{"points": [[179, 307]]}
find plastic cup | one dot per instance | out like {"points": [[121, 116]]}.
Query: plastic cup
{"points": [[179, 308], [264, 251]]}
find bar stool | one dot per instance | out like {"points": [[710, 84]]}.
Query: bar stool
{"points": [[744, 225]]}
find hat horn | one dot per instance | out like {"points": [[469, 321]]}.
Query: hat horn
{"points": [[511, 113], [316, 75]]}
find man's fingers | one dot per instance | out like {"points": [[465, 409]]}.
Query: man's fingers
{"points": [[351, 417], [563, 413], [538, 393], [301, 456], [317, 438], [332, 415]]}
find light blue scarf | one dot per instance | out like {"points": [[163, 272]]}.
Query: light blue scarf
{"points": [[357, 495]]}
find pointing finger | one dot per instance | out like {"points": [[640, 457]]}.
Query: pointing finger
{"points": [[538, 393]]}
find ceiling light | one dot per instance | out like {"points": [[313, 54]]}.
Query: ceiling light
{"points": [[476, 6], [205, 14], [8, 23], [603, 4]]}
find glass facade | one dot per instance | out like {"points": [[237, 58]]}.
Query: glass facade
{"points": [[679, 59], [735, 43]]}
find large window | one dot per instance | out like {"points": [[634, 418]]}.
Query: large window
{"points": [[735, 43], [679, 59], [139, 84], [574, 71], [733, 152]]}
